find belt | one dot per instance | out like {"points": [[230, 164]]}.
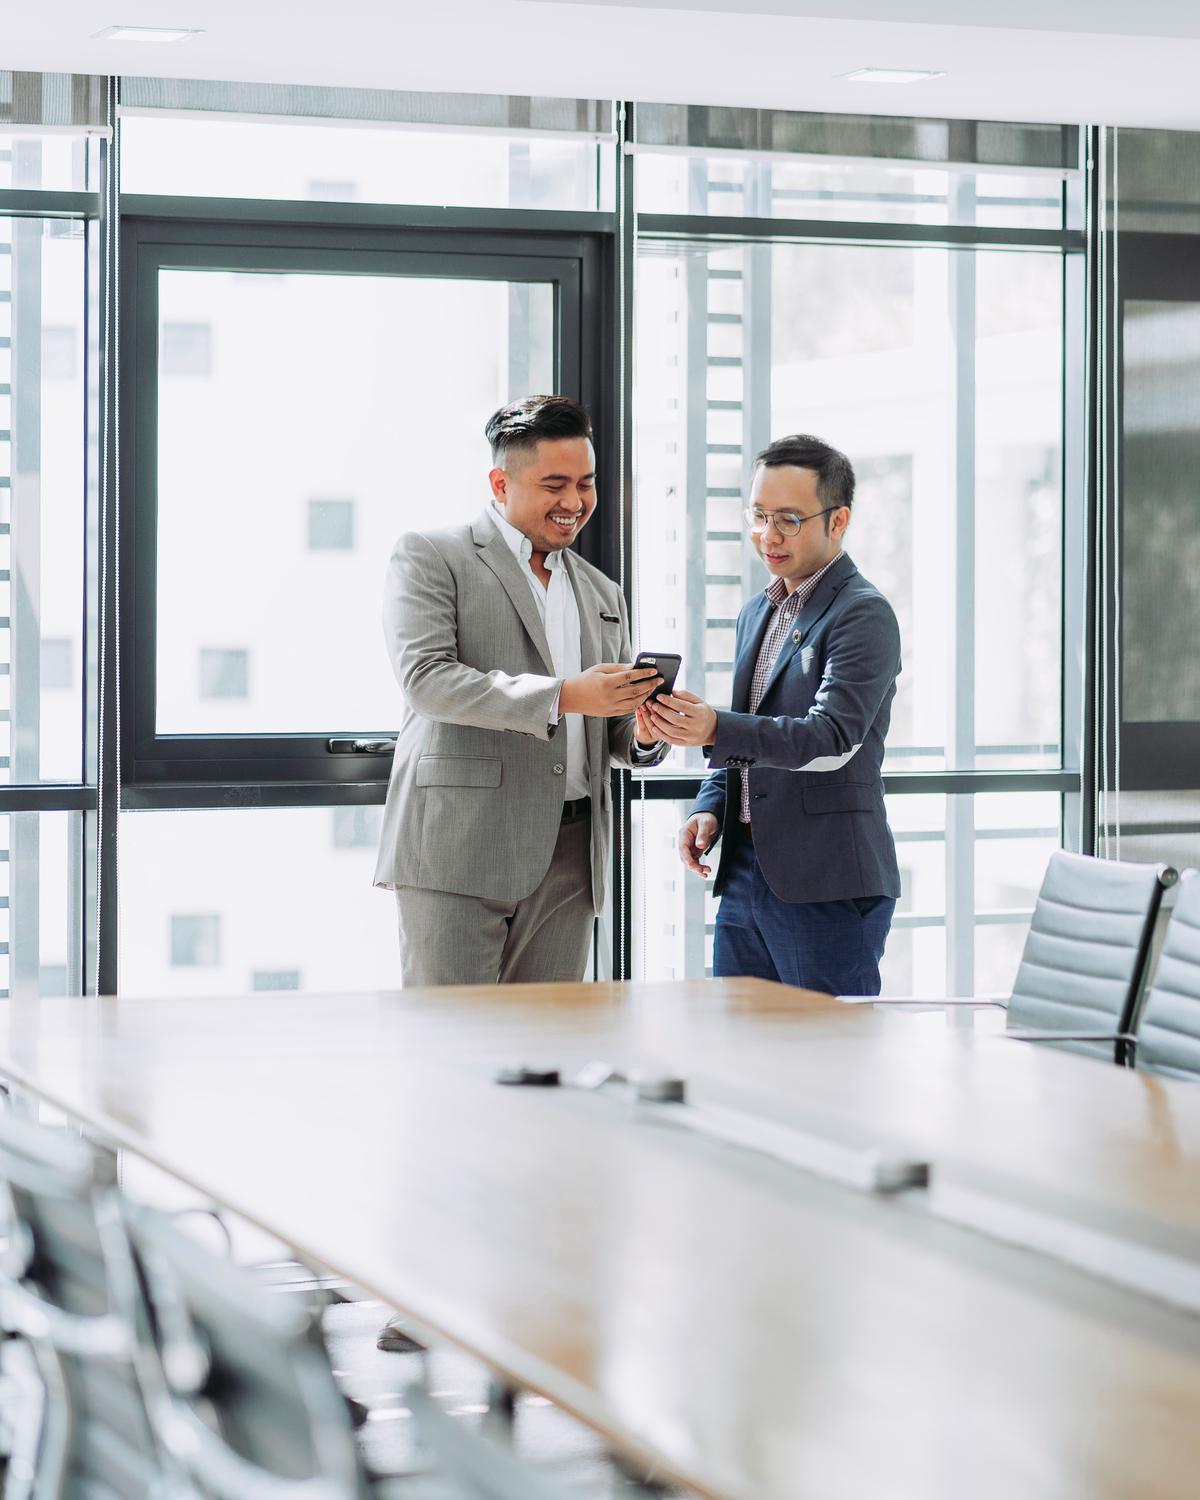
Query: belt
{"points": [[580, 807]]}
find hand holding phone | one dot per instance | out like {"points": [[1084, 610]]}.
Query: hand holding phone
{"points": [[665, 663]]}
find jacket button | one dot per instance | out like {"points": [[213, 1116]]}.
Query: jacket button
{"points": [[558, 770]]}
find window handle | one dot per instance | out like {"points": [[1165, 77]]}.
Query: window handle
{"points": [[365, 745]]}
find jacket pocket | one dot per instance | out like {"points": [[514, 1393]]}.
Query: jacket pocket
{"points": [[853, 796], [459, 770]]}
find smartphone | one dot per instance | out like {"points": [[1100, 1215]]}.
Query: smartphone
{"points": [[665, 663]]}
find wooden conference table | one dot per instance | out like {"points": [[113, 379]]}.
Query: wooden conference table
{"points": [[758, 1330]]}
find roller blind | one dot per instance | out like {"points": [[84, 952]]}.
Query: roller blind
{"points": [[370, 106], [52, 100], [988, 143]]}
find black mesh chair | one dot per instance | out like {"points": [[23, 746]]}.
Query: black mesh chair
{"points": [[1083, 968], [246, 1401], [65, 1295], [1168, 1036]]}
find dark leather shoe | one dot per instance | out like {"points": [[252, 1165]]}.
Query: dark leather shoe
{"points": [[394, 1338]]}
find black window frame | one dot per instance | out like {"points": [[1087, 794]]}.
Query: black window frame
{"points": [[572, 252]]}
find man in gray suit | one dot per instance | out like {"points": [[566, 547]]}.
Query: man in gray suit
{"points": [[511, 653], [807, 876]]}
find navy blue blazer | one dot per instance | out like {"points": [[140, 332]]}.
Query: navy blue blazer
{"points": [[815, 744]]}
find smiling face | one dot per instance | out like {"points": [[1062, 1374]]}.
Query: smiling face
{"points": [[548, 492], [782, 487]]}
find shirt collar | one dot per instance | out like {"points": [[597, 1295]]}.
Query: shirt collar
{"points": [[518, 543], [776, 590]]}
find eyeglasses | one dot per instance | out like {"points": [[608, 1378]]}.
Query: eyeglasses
{"points": [[787, 522]]}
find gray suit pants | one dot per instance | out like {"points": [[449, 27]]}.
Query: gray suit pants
{"points": [[446, 938]]}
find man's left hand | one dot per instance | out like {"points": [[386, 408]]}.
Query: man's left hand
{"points": [[681, 718], [645, 733]]}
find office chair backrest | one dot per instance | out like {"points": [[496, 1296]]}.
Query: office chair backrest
{"points": [[1169, 1033], [476, 1468], [1084, 963], [60, 1294], [248, 1403]]}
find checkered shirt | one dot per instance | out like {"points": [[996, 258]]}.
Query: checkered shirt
{"points": [[787, 607]]}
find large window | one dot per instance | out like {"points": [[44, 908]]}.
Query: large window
{"points": [[246, 899], [215, 422], [939, 369], [277, 364], [338, 383]]}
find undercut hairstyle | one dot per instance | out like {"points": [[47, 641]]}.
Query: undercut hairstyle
{"points": [[834, 471], [520, 427]]}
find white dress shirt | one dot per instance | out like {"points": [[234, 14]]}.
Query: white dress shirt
{"points": [[560, 616]]}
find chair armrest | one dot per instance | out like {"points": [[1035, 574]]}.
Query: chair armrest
{"points": [[1070, 1036], [935, 1002]]}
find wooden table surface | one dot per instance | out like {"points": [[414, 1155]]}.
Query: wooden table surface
{"points": [[759, 1332]]}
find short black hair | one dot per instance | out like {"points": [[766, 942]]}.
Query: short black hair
{"points": [[834, 471], [522, 425]]}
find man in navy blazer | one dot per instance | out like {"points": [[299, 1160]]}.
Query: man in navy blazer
{"points": [[807, 874]]}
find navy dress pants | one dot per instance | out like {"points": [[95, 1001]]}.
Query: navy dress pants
{"points": [[833, 946]]}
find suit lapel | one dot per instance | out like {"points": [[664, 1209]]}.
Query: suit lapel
{"points": [[589, 612], [743, 673], [495, 553], [811, 611], [588, 606]]}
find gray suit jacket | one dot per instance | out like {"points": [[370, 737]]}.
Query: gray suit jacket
{"points": [[476, 791], [816, 744]]}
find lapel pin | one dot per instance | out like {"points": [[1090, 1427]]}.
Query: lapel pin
{"points": [[797, 636]]}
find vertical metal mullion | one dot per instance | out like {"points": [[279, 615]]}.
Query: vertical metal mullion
{"points": [[1078, 331], [1089, 747], [25, 530], [624, 263], [85, 945], [108, 750], [960, 810]]}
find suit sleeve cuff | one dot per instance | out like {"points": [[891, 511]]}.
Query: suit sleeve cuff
{"points": [[645, 755]]}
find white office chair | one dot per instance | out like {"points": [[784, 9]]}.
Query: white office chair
{"points": [[1083, 968]]}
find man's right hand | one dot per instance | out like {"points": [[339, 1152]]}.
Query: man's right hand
{"points": [[698, 835], [608, 690]]}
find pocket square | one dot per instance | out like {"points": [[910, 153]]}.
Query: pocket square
{"points": [[610, 619]]}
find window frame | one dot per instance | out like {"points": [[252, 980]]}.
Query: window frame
{"points": [[1072, 246], [204, 770]]}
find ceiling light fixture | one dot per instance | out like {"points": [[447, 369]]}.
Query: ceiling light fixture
{"points": [[891, 75], [147, 33]]}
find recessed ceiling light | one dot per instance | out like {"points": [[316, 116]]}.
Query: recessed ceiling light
{"points": [[891, 75], [147, 33]]}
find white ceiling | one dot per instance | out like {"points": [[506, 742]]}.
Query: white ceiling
{"points": [[1096, 61]]}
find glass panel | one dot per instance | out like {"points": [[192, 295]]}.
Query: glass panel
{"points": [[950, 432], [1156, 828], [299, 376], [869, 192], [40, 887], [42, 482], [55, 162], [1014, 835], [228, 917], [260, 159], [1160, 545]]}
